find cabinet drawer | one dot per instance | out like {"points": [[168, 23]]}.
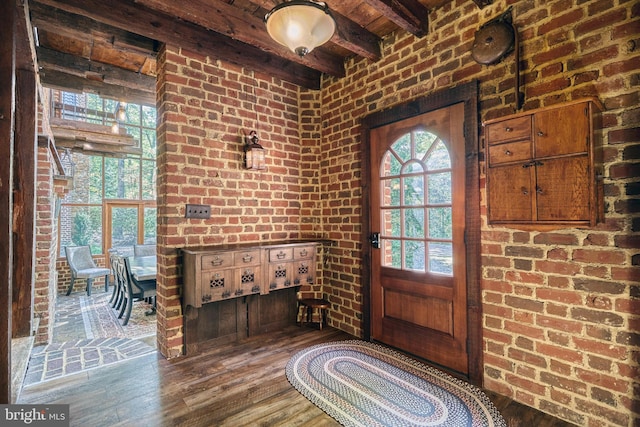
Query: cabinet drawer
{"points": [[509, 130], [280, 254], [222, 259], [509, 152], [246, 258], [303, 252]]}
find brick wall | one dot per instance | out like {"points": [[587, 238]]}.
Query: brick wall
{"points": [[204, 108], [561, 325]]}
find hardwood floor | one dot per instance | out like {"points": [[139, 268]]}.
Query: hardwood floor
{"points": [[237, 384]]}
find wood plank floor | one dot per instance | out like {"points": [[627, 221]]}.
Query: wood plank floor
{"points": [[241, 384]]}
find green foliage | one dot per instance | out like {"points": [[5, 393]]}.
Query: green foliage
{"points": [[81, 235]]}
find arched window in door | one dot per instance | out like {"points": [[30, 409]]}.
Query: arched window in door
{"points": [[417, 231]]}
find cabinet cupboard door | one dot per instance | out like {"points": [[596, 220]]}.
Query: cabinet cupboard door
{"points": [[509, 193], [562, 132], [563, 189]]}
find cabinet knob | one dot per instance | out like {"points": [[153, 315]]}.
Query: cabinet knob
{"points": [[538, 190], [303, 253], [239, 292], [247, 258], [507, 153], [508, 129], [525, 191], [255, 289], [281, 255], [226, 294], [216, 261], [540, 133]]}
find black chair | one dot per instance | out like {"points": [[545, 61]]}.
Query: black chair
{"points": [[83, 267], [118, 289], [135, 290]]}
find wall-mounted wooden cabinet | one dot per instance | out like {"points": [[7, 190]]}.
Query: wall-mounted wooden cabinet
{"points": [[544, 167]]}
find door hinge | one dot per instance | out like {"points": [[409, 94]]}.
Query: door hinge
{"points": [[374, 238]]}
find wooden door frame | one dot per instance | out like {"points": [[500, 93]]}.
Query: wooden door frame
{"points": [[468, 94]]}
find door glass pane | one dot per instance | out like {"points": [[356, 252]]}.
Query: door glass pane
{"points": [[391, 223], [439, 157], [440, 223], [392, 253], [414, 255], [124, 226], [414, 223], [441, 257], [439, 185], [402, 148], [150, 221], [391, 192], [424, 140], [414, 190], [390, 165]]}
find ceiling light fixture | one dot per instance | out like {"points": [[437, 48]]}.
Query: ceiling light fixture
{"points": [[300, 25]]}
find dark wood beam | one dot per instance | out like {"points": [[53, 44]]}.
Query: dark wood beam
{"points": [[52, 60], [24, 203], [410, 15], [7, 114], [59, 80], [233, 22], [78, 27], [123, 14]]}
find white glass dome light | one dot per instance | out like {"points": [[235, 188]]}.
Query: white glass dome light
{"points": [[300, 25]]}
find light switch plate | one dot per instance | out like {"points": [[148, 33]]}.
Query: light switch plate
{"points": [[197, 211]]}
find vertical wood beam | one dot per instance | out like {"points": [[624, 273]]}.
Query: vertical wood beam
{"points": [[24, 206], [7, 114]]}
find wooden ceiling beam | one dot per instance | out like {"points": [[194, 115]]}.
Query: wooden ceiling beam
{"points": [[78, 27], [410, 15], [164, 28], [52, 60], [58, 80], [233, 22]]}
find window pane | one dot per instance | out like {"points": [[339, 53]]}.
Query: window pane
{"points": [[391, 223], [424, 140], [390, 165], [150, 225], [441, 258], [414, 255], [440, 226], [414, 223], [122, 178], [80, 226], [132, 114], [439, 158], [148, 180], [148, 117], [135, 132], [148, 143], [439, 188], [414, 190], [124, 226], [392, 253], [402, 147]]}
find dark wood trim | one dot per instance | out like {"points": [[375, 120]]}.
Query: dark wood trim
{"points": [[24, 202], [467, 93], [7, 114]]}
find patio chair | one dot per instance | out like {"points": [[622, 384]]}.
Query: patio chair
{"points": [[144, 250], [83, 267], [135, 290]]}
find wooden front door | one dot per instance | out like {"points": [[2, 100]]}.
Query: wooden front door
{"points": [[417, 213]]}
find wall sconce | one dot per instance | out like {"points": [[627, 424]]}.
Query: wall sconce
{"points": [[253, 152]]}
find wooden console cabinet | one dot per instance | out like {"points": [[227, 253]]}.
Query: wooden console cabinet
{"points": [[544, 167], [235, 291]]}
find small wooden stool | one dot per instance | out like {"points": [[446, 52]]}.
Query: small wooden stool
{"points": [[310, 304]]}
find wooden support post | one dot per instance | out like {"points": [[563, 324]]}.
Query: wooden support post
{"points": [[24, 206], [7, 114]]}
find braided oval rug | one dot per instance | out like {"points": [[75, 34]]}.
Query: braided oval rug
{"points": [[364, 384]]}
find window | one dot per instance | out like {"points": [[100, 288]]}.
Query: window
{"points": [[417, 230], [99, 180]]}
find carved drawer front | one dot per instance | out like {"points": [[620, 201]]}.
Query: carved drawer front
{"points": [[509, 130], [248, 280], [280, 254], [280, 275], [244, 258], [304, 272], [217, 285], [218, 260], [303, 252], [509, 152]]}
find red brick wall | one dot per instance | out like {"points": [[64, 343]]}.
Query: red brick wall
{"points": [[561, 324], [204, 108]]}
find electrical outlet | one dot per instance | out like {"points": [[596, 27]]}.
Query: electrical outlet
{"points": [[198, 211]]}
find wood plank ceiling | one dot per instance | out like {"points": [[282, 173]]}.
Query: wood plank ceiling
{"points": [[110, 47]]}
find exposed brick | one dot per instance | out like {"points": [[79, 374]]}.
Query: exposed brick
{"points": [[563, 383], [599, 256], [595, 316], [599, 286], [555, 239], [523, 251]]}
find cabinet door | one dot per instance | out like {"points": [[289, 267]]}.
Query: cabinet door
{"points": [[304, 272], [248, 279], [561, 131], [562, 189], [509, 193], [280, 275]]}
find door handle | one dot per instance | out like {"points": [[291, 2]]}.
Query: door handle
{"points": [[374, 238]]}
